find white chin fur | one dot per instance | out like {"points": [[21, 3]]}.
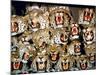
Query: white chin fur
{"points": [[89, 42], [59, 26], [74, 37], [35, 29]]}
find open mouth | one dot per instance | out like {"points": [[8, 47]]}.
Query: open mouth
{"points": [[14, 27], [83, 66], [65, 66], [59, 20], [88, 16], [54, 57], [74, 30], [41, 65], [16, 65], [63, 38], [77, 49]]}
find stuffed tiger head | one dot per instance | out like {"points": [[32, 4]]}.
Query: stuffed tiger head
{"points": [[89, 34], [83, 62]]}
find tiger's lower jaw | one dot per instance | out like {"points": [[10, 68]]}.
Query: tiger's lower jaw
{"points": [[41, 68], [83, 67], [89, 42], [65, 68]]}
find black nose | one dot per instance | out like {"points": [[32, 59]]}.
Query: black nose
{"points": [[40, 57]]}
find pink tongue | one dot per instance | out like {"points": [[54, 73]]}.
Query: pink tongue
{"points": [[59, 18], [16, 65], [74, 30]]}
